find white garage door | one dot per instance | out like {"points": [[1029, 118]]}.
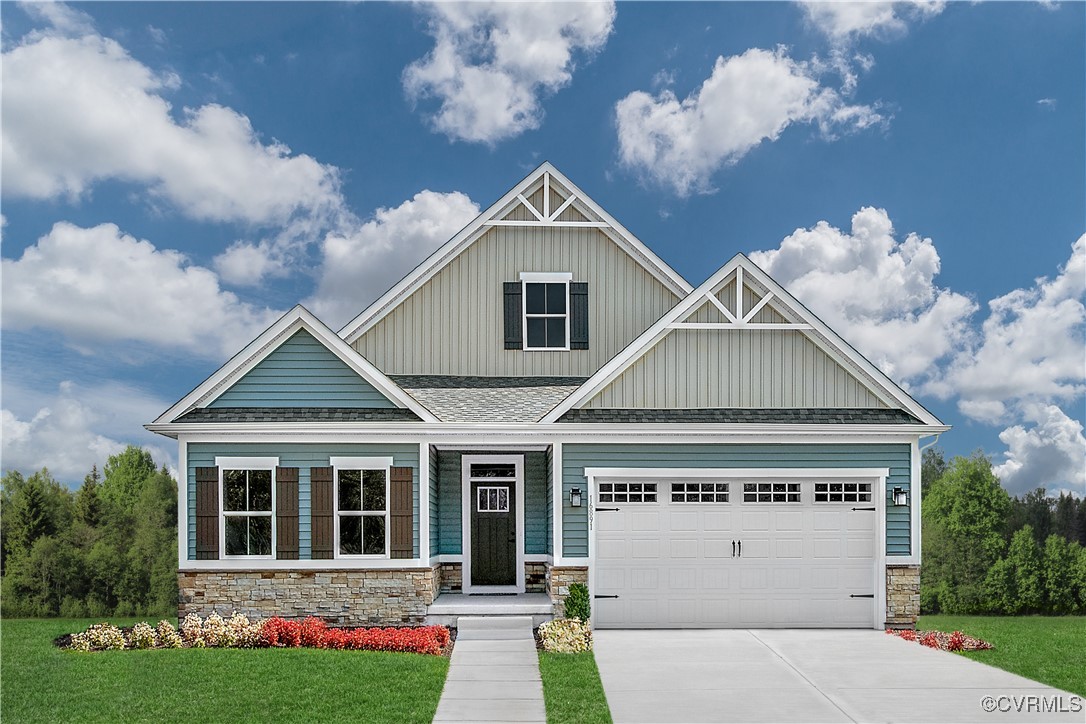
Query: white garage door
{"points": [[716, 554]]}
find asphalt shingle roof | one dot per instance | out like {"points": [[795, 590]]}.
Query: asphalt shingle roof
{"points": [[801, 416], [488, 399], [298, 414]]}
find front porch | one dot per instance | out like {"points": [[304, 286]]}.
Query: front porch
{"points": [[448, 607]]}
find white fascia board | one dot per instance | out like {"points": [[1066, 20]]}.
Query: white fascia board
{"points": [[761, 473], [267, 342], [468, 235], [334, 564]]}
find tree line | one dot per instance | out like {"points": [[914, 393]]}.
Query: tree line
{"points": [[106, 549], [985, 552]]}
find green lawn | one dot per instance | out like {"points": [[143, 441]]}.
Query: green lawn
{"points": [[42, 683], [1048, 649], [572, 690]]}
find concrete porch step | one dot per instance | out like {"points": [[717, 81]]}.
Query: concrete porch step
{"points": [[448, 608], [493, 628]]}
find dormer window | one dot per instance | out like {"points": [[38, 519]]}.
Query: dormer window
{"points": [[546, 312]]}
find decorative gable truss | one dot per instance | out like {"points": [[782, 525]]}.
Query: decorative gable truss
{"points": [[239, 382], [740, 340], [548, 202]]}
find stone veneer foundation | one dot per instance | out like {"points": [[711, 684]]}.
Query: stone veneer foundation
{"points": [[902, 596], [558, 580], [352, 598]]}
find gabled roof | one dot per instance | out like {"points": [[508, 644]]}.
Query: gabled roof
{"points": [[786, 313], [577, 210], [296, 319]]}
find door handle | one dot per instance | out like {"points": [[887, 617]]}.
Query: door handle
{"points": [[733, 549], [740, 549]]}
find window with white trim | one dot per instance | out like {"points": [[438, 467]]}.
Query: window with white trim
{"points": [[361, 497], [842, 492], [492, 499], [699, 492], [248, 501], [771, 492], [627, 492], [546, 310]]}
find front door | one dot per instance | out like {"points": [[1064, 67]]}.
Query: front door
{"points": [[492, 484]]}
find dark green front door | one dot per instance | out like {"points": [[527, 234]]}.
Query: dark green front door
{"points": [[493, 531]]}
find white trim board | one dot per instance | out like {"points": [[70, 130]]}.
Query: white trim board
{"points": [[466, 506], [821, 335], [267, 342], [473, 231]]}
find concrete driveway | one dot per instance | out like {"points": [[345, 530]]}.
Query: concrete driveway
{"points": [[810, 676]]}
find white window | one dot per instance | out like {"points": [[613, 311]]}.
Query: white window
{"points": [[247, 523], [770, 492], [699, 492], [842, 492], [492, 499], [627, 492], [546, 310], [361, 501]]}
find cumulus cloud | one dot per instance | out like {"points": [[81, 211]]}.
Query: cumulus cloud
{"points": [[493, 62], [76, 428], [877, 292], [1051, 452], [78, 110], [748, 99], [1032, 347], [844, 21], [359, 266], [97, 285]]}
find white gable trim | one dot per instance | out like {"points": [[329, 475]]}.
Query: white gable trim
{"points": [[270, 340], [470, 233], [815, 329]]}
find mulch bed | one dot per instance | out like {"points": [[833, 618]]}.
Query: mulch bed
{"points": [[956, 641]]}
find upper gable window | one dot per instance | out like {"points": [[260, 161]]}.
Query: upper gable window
{"points": [[546, 311]]}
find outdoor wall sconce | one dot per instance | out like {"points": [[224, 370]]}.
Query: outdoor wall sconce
{"points": [[575, 497], [901, 496]]}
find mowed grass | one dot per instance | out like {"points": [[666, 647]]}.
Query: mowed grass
{"points": [[1049, 649], [40, 683], [572, 690]]}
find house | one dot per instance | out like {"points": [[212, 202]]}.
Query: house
{"points": [[544, 401]]}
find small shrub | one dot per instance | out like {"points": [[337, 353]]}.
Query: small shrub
{"points": [[956, 642], [168, 638], [99, 637], [566, 636], [72, 607], [142, 636], [578, 604], [214, 631], [312, 632], [241, 632], [336, 638], [280, 632], [192, 631]]}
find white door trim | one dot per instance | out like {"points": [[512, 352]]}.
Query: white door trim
{"points": [[466, 506], [877, 475]]}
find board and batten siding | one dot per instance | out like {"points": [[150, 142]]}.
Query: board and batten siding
{"points": [[450, 517], [577, 457], [705, 368], [301, 372], [454, 323], [302, 456]]}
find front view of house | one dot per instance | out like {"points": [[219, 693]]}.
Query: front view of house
{"points": [[544, 401]]}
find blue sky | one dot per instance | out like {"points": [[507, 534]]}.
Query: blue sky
{"points": [[178, 174]]}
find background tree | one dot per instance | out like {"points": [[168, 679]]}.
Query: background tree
{"points": [[1015, 583]]}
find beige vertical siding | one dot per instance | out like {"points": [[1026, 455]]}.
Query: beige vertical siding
{"points": [[735, 368], [454, 323]]}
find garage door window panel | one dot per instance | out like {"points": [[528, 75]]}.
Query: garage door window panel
{"points": [[843, 492], [699, 492], [627, 492], [771, 492]]}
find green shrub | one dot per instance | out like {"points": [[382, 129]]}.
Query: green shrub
{"points": [[578, 605]]}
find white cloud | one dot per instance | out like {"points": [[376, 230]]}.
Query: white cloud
{"points": [[99, 285], [843, 21], [492, 62], [878, 293], [60, 17], [80, 110], [1048, 104], [1050, 453], [748, 99], [78, 427], [1032, 347], [361, 265]]}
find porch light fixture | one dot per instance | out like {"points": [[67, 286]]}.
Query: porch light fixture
{"points": [[575, 497], [901, 497]]}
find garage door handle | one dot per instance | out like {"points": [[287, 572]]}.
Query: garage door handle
{"points": [[733, 549], [603, 510], [863, 508], [740, 549], [861, 595], [600, 596]]}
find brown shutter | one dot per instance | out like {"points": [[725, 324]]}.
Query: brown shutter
{"points": [[321, 510], [401, 513], [286, 513], [207, 514]]}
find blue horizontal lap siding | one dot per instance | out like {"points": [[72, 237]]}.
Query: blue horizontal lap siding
{"points": [[302, 456], [302, 372], [577, 457], [435, 547]]}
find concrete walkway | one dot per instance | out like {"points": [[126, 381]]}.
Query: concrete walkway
{"points": [[494, 675], [810, 676]]}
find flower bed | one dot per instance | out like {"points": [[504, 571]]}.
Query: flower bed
{"points": [[565, 636], [238, 632], [956, 641]]}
